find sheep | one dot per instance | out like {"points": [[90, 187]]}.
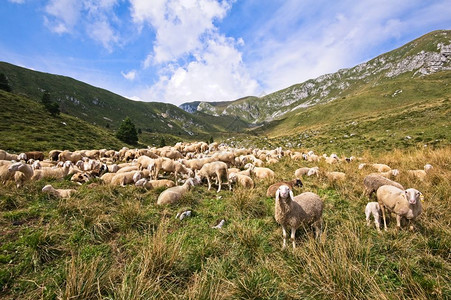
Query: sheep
{"points": [[107, 177], [218, 169], [5, 174], [154, 184], [60, 193], [70, 156], [378, 167], [420, 174], [373, 182], [293, 212], [169, 165], [404, 203], [81, 177], [36, 155], [174, 194], [53, 154], [125, 178], [299, 173], [23, 168], [335, 176], [55, 172], [271, 192], [262, 173], [332, 160], [8, 156], [373, 208], [241, 179], [389, 174]]}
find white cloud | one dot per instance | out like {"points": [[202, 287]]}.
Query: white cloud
{"points": [[179, 24], [94, 18], [131, 75], [218, 73]]}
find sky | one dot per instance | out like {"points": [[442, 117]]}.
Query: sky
{"points": [[179, 51]]}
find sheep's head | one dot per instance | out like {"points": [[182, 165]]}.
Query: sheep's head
{"points": [[413, 196], [141, 182], [48, 188], [428, 167], [395, 172], [137, 176], [15, 167], [312, 171], [22, 156], [285, 193], [361, 166], [232, 177]]}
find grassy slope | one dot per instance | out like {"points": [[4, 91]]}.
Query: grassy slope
{"points": [[373, 117], [25, 126], [99, 106], [115, 243]]}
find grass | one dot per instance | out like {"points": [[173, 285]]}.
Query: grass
{"points": [[115, 243]]}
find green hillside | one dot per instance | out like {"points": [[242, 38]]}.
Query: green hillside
{"points": [[373, 117], [101, 107], [25, 126]]}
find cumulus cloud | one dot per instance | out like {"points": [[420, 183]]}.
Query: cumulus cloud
{"points": [[218, 73], [131, 75], [94, 17], [179, 24]]}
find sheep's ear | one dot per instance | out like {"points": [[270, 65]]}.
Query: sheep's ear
{"points": [[291, 195], [277, 195]]}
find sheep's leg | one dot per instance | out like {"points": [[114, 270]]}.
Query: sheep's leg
{"points": [[209, 183], [175, 178], [398, 222], [292, 238], [383, 216], [284, 234], [368, 222], [377, 217], [219, 182], [318, 228]]}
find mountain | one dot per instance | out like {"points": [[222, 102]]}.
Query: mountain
{"points": [[106, 109], [426, 55]]}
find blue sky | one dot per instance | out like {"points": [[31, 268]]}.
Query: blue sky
{"points": [[185, 50]]}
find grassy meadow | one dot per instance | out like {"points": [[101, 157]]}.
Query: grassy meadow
{"points": [[115, 243]]}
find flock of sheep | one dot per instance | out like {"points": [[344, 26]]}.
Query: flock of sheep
{"points": [[194, 163]]}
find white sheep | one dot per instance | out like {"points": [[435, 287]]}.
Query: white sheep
{"points": [[216, 169], [60, 193], [420, 174], [23, 168], [55, 172], [154, 184], [262, 173], [241, 179], [125, 178], [404, 203], [8, 156], [373, 208], [335, 176], [373, 182], [293, 212], [175, 194]]}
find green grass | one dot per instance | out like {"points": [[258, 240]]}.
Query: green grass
{"points": [[115, 243]]}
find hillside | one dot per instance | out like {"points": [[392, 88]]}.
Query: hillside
{"points": [[25, 126], [426, 55], [101, 107]]}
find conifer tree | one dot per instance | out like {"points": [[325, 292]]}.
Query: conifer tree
{"points": [[4, 83], [127, 132]]}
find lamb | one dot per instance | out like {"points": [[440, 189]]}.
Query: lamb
{"points": [[406, 204], [373, 182], [378, 167], [271, 192], [241, 179], [154, 184], [70, 156], [60, 193], [293, 212], [389, 174], [169, 165], [218, 169], [373, 208], [174, 194]]}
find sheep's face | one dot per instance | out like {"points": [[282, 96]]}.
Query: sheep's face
{"points": [[413, 196], [141, 182], [427, 167], [312, 171], [395, 172], [14, 167], [283, 192], [232, 177], [47, 188]]}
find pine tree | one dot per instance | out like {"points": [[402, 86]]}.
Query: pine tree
{"points": [[162, 142], [4, 83], [127, 132]]}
